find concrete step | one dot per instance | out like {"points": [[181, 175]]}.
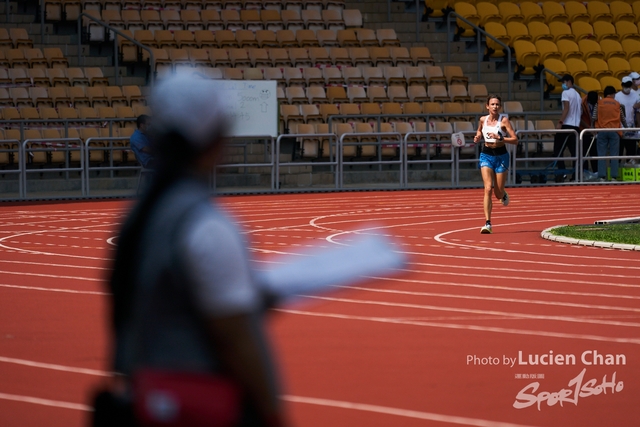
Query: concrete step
{"points": [[376, 6]]}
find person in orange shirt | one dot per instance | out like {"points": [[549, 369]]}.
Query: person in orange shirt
{"points": [[608, 114]]}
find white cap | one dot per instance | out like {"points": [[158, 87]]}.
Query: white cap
{"points": [[627, 79], [190, 106], [634, 76]]}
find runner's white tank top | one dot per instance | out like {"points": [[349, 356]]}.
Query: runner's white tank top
{"points": [[486, 130]]}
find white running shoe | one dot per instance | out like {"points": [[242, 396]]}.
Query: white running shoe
{"points": [[505, 199], [486, 229]]}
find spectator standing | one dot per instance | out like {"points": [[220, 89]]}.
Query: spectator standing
{"points": [[140, 144], [635, 80], [608, 114], [629, 100], [569, 119]]}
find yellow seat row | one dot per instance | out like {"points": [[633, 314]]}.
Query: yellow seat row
{"points": [[229, 19], [260, 39], [58, 10], [171, 59], [46, 77], [61, 96]]}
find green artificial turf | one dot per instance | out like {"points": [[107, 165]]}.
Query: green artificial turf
{"points": [[615, 233]]}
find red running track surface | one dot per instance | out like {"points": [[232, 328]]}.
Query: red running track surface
{"points": [[425, 347]]}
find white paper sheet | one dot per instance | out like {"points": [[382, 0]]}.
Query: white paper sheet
{"points": [[318, 270]]}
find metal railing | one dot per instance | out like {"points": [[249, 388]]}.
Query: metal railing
{"points": [[428, 161], [583, 157], [46, 147], [271, 157], [116, 52], [90, 158], [378, 143], [333, 159], [479, 31]]}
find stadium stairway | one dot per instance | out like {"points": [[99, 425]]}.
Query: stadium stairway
{"points": [[25, 14], [432, 34]]}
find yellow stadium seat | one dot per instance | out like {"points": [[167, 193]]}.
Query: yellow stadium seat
{"points": [[632, 48], [470, 13], [620, 67], [517, 31], [454, 74], [488, 12], [612, 49], [576, 11], [415, 55], [435, 8], [597, 67], [590, 84], [621, 11], [605, 30], [510, 12], [527, 57], [569, 49], [634, 61], [577, 68], [627, 30], [531, 12], [547, 49], [610, 81], [539, 31], [590, 49], [554, 12], [478, 92], [599, 11], [582, 29], [561, 31], [494, 49]]}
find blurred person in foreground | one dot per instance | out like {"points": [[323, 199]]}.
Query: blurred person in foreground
{"points": [[184, 299]]}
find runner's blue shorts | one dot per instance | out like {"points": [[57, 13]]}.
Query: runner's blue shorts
{"points": [[499, 164]]}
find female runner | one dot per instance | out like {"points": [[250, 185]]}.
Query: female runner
{"points": [[496, 131]]}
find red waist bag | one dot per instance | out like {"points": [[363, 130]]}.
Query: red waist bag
{"points": [[184, 399]]}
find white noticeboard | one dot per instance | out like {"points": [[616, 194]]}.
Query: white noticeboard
{"points": [[254, 106]]}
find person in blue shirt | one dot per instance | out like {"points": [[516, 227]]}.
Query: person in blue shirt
{"points": [[140, 142]]}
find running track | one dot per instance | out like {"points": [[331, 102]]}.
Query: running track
{"points": [[395, 351]]}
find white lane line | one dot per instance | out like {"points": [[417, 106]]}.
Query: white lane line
{"points": [[606, 261], [507, 288], [45, 402], [521, 270], [440, 238], [52, 276], [561, 278], [475, 328], [46, 264], [55, 367], [469, 310], [407, 413], [510, 300], [26, 251], [67, 291]]}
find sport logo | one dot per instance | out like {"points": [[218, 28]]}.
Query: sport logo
{"points": [[576, 390]]}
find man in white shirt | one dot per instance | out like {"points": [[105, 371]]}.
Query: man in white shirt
{"points": [[628, 99], [569, 119]]}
